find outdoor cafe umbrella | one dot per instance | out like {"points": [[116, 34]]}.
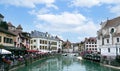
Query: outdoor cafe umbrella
{"points": [[3, 51]]}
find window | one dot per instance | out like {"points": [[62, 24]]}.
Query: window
{"points": [[117, 39], [0, 39], [34, 40], [107, 40], [86, 45], [11, 41], [8, 40], [54, 43], [40, 41], [34, 46], [108, 49], [95, 48], [95, 45], [4, 39], [89, 48], [31, 41], [112, 30], [102, 41], [40, 47], [89, 45], [45, 42]]}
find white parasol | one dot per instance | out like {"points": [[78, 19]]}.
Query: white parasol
{"points": [[3, 51]]}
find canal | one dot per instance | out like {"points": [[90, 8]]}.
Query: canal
{"points": [[65, 63]]}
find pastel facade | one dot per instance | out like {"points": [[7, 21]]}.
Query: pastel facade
{"points": [[6, 38], [90, 44], [22, 39]]}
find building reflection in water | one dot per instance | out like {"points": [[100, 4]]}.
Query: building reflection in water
{"points": [[65, 63]]}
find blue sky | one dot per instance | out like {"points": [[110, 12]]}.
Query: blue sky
{"points": [[69, 19]]}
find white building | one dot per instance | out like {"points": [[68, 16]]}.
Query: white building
{"points": [[91, 44], [44, 42], [109, 37]]}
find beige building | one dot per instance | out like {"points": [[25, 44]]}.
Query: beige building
{"points": [[22, 39], [6, 38], [67, 46]]}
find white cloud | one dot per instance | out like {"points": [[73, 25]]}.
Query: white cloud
{"points": [[41, 11], [109, 1], [115, 10], [84, 3], [91, 3], [64, 18], [28, 3], [114, 5], [74, 23]]}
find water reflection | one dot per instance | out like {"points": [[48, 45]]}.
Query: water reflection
{"points": [[65, 63]]}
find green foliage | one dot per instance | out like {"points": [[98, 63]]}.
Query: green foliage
{"points": [[1, 46], [4, 25]]}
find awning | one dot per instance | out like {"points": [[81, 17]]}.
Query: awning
{"points": [[13, 48], [3, 51], [32, 51]]}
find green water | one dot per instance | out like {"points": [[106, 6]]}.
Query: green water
{"points": [[65, 63]]}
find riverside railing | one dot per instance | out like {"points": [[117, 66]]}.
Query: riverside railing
{"points": [[9, 63]]}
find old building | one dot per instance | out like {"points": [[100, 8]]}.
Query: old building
{"points": [[109, 37], [67, 46], [81, 46], [22, 39], [6, 37], [91, 44], [44, 42]]}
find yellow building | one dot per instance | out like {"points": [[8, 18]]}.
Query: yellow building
{"points": [[6, 38]]}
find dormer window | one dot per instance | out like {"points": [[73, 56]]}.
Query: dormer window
{"points": [[112, 30]]}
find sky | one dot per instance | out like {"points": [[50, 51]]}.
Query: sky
{"points": [[69, 19]]}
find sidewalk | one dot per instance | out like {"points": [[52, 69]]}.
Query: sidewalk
{"points": [[111, 66]]}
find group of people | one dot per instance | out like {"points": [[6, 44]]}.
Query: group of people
{"points": [[9, 61]]}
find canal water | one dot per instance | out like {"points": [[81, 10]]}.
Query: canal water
{"points": [[65, 63]]}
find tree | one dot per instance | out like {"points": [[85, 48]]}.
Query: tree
{"points": [[4, 25]]}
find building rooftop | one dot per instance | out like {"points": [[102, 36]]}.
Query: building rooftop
{"points": [[19, 27], [6, 31], [38, 34], [1, 16], [112, 23], [91, 39]]}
